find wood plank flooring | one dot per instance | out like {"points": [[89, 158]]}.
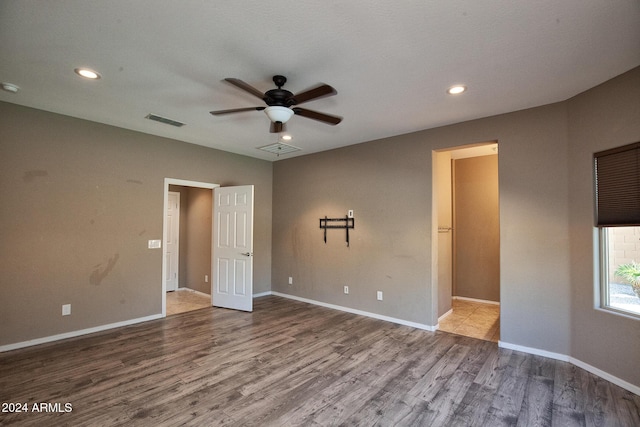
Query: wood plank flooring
{"points": [[289, 364]]}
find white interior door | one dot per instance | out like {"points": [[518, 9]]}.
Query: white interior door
{"points": [[232, 285], [172, 240]]}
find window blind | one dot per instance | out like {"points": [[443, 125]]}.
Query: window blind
{"points": [[617, 182]]}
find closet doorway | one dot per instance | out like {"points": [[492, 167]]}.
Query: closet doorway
{"points": [[466, 194]]}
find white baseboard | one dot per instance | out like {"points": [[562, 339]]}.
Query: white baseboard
{"points": [[557, 356], [360, 312], [74, 334], [185, 289], [445, 315], [502, 344], [563, 357], [536, 351], [483, 301], [602, 374], [262, 294]]}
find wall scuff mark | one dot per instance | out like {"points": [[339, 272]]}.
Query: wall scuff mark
{"points": [[30, 176], [99, 273]]}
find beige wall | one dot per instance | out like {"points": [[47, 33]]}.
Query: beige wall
{"points": [[195, 237], [81, 201], [182, 252], [198, 220], [476, 228], [604, 117], [443, 209]]}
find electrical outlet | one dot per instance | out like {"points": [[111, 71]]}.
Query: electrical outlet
{"points": [[206, 278], [350, 213], [290, 280], [346, 289], [66, 309], [379, 295]]}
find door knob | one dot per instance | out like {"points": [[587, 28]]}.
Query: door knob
{"points": [[247, 254]]}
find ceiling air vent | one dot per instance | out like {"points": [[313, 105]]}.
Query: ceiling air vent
{"points": [[279, 148], [164, 120]]}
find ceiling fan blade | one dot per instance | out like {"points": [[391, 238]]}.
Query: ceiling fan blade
{"points": [[236, 110], [321, 117], [315, 93], [246, 87], [277, 127]]}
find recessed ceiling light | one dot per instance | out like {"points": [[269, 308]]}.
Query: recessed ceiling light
{"points": [[87, 73], [10, 87], [457, 89], [286, 137]]}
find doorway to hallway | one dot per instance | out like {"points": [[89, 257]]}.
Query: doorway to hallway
{"points": [[187, 243], [230, 244]]}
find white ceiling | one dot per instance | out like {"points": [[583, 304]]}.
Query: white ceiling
{"points": [[390, 61]]}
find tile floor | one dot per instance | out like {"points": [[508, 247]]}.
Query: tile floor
{"points": [[473, 319], [184, 300]]}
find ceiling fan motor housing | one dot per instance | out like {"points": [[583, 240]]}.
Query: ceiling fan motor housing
{"points": [[280, 97]]}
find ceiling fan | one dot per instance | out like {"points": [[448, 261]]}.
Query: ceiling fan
{"points": [[281, 104]]}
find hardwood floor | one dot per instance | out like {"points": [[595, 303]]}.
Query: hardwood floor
{"points": [[289, 363]]}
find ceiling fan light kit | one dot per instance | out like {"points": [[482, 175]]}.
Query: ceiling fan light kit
{"points": [[280, 102], [278, 114]]}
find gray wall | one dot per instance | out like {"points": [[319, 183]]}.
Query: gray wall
{"points": [[81, 201], [386, 183], [605, 117], [389, 185], [547, 250]]}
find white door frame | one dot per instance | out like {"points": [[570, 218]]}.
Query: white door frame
{"points": [[174, 237], [184, 183]]}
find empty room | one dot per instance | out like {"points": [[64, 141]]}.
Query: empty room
{"points": [[317, 177]]}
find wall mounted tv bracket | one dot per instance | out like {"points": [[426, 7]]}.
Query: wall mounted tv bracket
{"points": [[345, 223]]}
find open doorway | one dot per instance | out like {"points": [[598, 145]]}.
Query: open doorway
{"points": [[468, 241], [186, 269]]}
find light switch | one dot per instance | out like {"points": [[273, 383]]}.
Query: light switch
{"points": [[155, 244]]}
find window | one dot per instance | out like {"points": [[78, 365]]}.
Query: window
{"points": [[617, 190], [620, 267]]}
